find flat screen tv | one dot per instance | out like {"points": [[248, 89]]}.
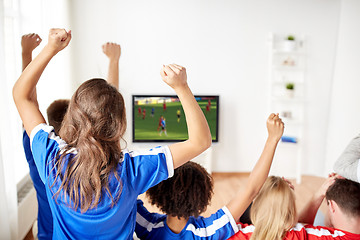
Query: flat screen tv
{"points": [[160, 118]]}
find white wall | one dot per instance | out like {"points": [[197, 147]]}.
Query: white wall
{"points": [[223, 44], [344, 119]]}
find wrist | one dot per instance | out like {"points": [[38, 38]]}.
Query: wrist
{"points": [[26, 53], [182, 89], [50, 50], [273, 140], [114, 60]]}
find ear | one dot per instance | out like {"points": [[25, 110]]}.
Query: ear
{"points": [[332, 206]]}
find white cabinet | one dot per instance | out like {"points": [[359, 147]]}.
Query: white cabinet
{"points": [[287, 79]]}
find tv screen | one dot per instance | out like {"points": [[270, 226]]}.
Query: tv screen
{"points": [[161, 118]]}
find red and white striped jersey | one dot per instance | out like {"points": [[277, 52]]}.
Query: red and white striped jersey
{"points": [[300, 232]]}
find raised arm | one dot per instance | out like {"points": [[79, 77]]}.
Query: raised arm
{"points": [[113, 52], [23, 90], [308, 213], [28, 43], [198, 130], [348, 164], [259, 174]]}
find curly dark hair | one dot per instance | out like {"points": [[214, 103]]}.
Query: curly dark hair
{"points": [[187, 193]]}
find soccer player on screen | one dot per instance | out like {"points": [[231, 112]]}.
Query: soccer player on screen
{"points": [[144, 114], [160, 120], [178, 113], [163, 127], [164, 106]]}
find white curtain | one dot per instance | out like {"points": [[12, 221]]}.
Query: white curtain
{"points": [[18, 17], [8, 196]]}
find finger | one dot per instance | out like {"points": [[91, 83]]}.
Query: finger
{"points": [[162, 72], [66, 39], [61, 34], [69, 36], [178, 66], [38, 40], [289, 183], [168, 70], [174, 69], [271, 116]]}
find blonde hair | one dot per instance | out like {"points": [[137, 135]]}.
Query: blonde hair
{"points": [[273, 212], [94, 125]]}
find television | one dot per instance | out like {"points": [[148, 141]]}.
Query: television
{"points": [[161, 118]]}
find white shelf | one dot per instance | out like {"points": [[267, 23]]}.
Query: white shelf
{"points": [[283, 52], [289, 100], [287, 66]]}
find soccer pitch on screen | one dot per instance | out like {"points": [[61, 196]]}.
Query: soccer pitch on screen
{"points": [[161, 118]]}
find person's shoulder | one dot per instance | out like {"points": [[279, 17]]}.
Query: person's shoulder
{"points": [[147, 221], [244, 233], [320, 232], [215, 222], [144, 153], [45, 134]]}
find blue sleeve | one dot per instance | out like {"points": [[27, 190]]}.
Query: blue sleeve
{"points": [[26, 145], [148, 168], [146, 221], [220, 225], [44, 146]]}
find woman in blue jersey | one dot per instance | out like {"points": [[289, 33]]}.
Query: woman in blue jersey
{"points": [[92, 183], [187, 194]]}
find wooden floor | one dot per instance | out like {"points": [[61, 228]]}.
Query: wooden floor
{"points": [[227, 184]]}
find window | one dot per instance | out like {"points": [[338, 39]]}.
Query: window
{"points": [[22, 17]]}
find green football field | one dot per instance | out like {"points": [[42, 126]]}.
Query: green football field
{"points": [[147, 129]]}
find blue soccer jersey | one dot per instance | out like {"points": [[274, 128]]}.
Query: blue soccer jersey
{"points": [[220, 225], [44, 218], [137, 171]]}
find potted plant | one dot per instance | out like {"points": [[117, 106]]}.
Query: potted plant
{"points": [[289, 43], [290, 89], [291, 38]]}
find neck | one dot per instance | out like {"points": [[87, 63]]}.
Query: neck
{"points": [[175, 224], [349, 224]]}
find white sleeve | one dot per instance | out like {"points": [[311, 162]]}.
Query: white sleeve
{"points": [[348, 164]]}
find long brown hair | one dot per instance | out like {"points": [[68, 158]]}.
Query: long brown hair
{"points": [[273, 212], [94, 125]]}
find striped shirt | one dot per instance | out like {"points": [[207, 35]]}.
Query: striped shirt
{"points": [[301, 232], [220, 225]]}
